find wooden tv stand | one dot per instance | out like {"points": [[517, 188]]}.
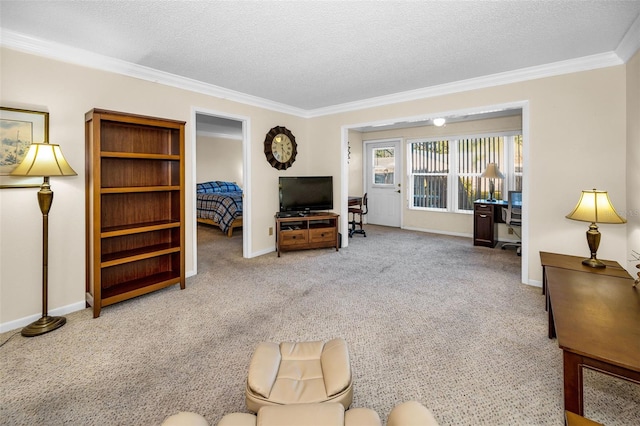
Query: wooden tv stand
{"points": [[307, 231]]}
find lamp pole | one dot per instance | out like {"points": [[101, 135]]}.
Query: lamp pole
{"points": [[45, 323]]}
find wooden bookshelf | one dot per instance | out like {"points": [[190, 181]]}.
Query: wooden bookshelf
{"points": [[134, 206]]}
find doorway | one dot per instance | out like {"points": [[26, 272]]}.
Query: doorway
{"points": [[219, 153], [397, 124]]}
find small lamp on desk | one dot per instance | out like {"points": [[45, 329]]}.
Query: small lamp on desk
{"points": [[492, 172], [594, 206]]}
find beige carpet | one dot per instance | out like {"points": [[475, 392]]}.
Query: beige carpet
{"points": [[426, 317]]}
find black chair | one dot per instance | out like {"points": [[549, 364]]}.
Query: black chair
{"points": [[357, 212], [512, 216]]}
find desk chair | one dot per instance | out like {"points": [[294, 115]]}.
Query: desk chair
{"points": [[512, 216], [357, 212]]}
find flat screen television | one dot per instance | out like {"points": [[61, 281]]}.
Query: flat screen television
{"points": [[303, 194]]}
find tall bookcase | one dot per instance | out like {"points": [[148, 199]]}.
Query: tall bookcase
{"points": [[134, 206]]}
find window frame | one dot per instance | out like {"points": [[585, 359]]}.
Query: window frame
{"points": [[375, 184], [507, 162]]}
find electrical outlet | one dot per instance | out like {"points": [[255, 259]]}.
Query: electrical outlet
{"points": [[510, 230], [270, 230]]}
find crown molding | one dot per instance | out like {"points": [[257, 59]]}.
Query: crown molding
{"points": [[39, 47], [64, 53], [630, 42], [549, 70]]}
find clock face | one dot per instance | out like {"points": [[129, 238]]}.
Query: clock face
{"points": [[280, 148]]}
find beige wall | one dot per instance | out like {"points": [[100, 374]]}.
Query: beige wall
{"points": [[218, 159], [67, 92], [577, 139], [633, 162]]}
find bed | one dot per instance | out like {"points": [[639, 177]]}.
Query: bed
{"points": [[219, 203]]}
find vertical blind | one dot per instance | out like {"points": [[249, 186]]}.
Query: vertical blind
{"points": [[445, 167]]}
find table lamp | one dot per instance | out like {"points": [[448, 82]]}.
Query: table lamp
{"points": [[492, 172], [44, 159], [594, 206]]}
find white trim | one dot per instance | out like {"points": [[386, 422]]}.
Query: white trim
{"points": [[25, 321], [549, 70], [440, 232], [535, 283], [630, 42], [344, 187], [90, 59], [219, 135], [526, 166], [246, 178], [85, 58]]}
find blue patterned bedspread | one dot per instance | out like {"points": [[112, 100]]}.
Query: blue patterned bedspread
{"points": [[221, 207]]}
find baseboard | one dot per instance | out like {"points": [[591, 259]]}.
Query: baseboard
{"points": [[262, 252], [534, 283], [23, 322], [437, 231]]}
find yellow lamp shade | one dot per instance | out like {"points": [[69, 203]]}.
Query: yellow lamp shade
{"points": [[594, 206], [44, 159]]}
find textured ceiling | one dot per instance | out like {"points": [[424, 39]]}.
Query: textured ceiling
{"points": [[317, 54]]}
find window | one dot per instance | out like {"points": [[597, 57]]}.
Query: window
{"points": [[430, 169], [384, 165], [445, 174]]}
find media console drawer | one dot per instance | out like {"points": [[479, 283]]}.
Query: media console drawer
{"points": [[322, 234], [291, 238]]}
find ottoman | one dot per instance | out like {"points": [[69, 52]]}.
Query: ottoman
{"points": [[299, 373], [410, 413]]}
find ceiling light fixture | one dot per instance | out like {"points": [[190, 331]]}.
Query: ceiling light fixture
{"points": [[439, 122]]}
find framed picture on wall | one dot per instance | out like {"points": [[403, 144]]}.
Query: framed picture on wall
{"points": [[19, 128]]}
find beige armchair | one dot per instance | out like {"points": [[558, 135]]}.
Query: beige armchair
{"points": [[299, 373]]}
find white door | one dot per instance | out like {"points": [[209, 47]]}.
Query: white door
{"points": [[383, 168]]}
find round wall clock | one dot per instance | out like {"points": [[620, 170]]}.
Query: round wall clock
{"points": [[280, 148]]}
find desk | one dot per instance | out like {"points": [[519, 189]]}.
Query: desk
{"points": [[597, 321], [486, 216], [574, 263], [354, 200]]}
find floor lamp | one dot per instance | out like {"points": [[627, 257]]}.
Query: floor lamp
{"points": [[44, 159]]}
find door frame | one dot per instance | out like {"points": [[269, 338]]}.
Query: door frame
{"points": [[522, 104], [246, 178]]}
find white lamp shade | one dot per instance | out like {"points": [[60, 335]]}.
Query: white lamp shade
{"points": [[594, 206], [44, 159], [492, 172]]}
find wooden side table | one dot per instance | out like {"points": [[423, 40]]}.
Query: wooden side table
{"points": [[574, 263], [596, 320]]}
